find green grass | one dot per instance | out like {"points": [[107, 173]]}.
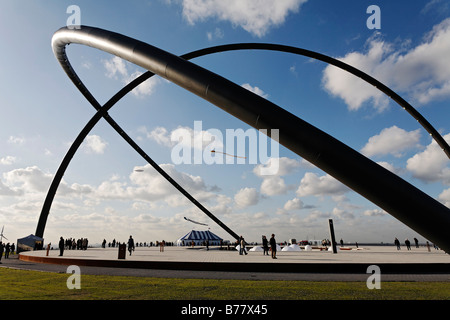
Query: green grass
{"points": [[35, 285]]}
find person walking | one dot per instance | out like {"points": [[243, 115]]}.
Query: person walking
{"points": [[397, 243], [61, 245], [130, 245], [265, 244], [242, 246], [408, 244], [416, 242], [273, 246]]}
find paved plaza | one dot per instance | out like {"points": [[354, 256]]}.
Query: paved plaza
{"points": [[351, 264]]}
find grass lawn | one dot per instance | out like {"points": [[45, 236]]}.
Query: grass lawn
{"points": [[35, 285]]}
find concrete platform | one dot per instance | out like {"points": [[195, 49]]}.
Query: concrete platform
{"points": [[348, 264]]}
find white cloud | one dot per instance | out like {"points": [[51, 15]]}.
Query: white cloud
{"points": [[217, 34], [273, 184], [94, 144], [422, 72], [16, 140], [294, 204], [444, 197], [246, 197], [374, 212], [160, 135], [285, 166], [312, 184], [393, 141], [342, 214], [145, 88], [432, 164], [8, 160], [7, 191], [389, 167], [254, 16], [352, 89], [28, 180], [32, 180], [193, 138], [255, 90], [116, 68]]}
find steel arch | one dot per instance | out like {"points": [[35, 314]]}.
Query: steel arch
{"points": [[225, 94]]}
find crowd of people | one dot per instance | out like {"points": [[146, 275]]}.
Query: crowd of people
{"points": [[114, 243], [71, 244], [269, 245], [79, 244], [416, 242], [7, 249]]}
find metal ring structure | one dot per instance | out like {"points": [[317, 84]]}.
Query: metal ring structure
{"points": [[410, 205]]}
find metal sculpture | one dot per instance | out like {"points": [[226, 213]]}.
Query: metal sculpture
{"points": [[399, 198]]}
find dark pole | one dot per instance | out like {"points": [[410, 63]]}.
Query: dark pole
{"points": [[333, 239]]}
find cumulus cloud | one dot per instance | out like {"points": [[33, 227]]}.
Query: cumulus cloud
{"points": [[313, 185], [393, 141], [186, 137], [159, 134], [254, 16], [422, 72], [116, 68], [8, 160], [94, 144], [374, 212], [32, 180], [294, 204], [246, 197], [431, 165], [274, 184]]}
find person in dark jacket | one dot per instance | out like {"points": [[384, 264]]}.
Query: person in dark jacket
{"points": [[265, 244], [61, 245], [273, 246]]}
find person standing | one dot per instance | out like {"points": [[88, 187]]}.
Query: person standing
{"points": [[130, 244], [1, 251], [7, 250], [273, 246], [265, 244], [61, 245]]}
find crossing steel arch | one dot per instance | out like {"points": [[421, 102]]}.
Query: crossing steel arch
{"points": [[402, 200]]}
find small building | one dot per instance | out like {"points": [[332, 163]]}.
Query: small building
{"points": [[199, 238]]}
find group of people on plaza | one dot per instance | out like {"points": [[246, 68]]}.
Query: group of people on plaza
{"points": [[7, 249], [268, 245], [71, 244], [416, 242], [114, 243]]}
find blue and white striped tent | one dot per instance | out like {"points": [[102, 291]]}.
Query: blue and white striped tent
{"points": [[199, 238]]}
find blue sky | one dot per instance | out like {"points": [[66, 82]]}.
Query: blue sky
{"points": [[102, 196]]}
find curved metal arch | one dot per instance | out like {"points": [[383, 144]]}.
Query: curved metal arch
{"points": [[183, 74]]}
